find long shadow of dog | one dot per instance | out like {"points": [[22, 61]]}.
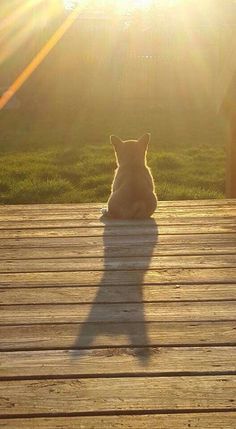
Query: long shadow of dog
{"points": [[124, 312]]}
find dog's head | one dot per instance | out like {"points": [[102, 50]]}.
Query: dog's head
{"points": [[131, 152]]}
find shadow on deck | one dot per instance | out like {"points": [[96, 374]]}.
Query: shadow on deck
{"points": [[90, 329]]}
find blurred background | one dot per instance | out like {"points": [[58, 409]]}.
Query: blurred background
{"points": [[125, 68]]}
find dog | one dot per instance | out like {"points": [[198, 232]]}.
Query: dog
{"points": [[133, 192]]}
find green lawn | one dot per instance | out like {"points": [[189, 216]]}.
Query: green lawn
{"points": [[85, 175]]}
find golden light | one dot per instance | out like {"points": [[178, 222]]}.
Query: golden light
{"points": [[16, 33], [123, 5], [141, 4], [39, 57]]}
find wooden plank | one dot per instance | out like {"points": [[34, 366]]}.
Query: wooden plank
{"points": [[211, 420], [95, 215], [118, 312], [74, 336], [55, 321], [207, 202], [96, 209], [115, 361], [117, 264], [162, 214], [91, 215], [148, 293], [96, 223], [120, 240], [115, 251], [110, 230], [117, 394], [177, 203], [111, 278]]}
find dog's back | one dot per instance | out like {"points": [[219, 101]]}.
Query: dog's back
{"points": [[133, 195]]}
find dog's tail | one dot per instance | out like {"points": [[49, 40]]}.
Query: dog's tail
{"points": [[137, 210], [140, 210]]}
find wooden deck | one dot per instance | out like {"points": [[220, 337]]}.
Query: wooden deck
{"points": [[118, 324]]}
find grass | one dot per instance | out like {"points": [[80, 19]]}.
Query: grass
{"points": [[85, 174]]}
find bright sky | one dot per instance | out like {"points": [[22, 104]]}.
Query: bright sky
{"points": [[123, 4]]}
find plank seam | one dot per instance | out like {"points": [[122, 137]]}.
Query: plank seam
{"points": [[109, 322], [126, 270], [137, 374], [117, 302], [119, 413], [33, 286], [122, 257], [113, 225], [120, 346], [120, 236]]}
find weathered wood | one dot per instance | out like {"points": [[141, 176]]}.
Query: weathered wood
{"points": [[117, 394], [115, 361], [95, 278], [72, 306], [118, 241], [173, 215], [96, 223], [115, 251], [85, 206], [73, 336], [118, 312], [117, 264], [148, 293], [94, 213], [110, 230], [198, 420]]}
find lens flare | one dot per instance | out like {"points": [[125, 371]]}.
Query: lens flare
{"points": [[37, 60]]}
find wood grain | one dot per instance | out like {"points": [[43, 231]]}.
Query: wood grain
{"points": [[117, 394], [71, 336], [96, 223], [124, 312], [85, 206], [108, 317], [162, 214], [111, 230], [117, 264], [148, 293], [120, 241], [97, 278], [113, 251], [209, 420], [115, 361]]}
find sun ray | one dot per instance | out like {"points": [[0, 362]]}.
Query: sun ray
{"points": [[42, 54], [20, 22]]}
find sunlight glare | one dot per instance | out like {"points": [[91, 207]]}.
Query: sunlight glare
{"points": [[40, 56], [123, 5], [20, 25], [142, 4]]}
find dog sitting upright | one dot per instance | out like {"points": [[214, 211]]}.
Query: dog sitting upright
{"points": [[132, 193]]}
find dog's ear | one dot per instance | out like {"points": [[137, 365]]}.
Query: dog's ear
{"points": [[116, 142], [144, 141]]}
